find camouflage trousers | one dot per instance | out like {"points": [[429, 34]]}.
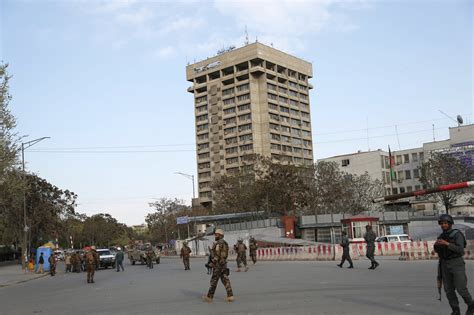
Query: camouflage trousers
{"points": [[370, 253], [52, 269], [90, 273], [253, 255], [241, 259], [186, 263], [220, 272]]}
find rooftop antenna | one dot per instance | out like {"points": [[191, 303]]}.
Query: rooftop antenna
{"points": [[456, 121], [246, 36], [398, 138], [368, 143]]}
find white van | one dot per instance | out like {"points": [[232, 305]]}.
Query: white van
{"points": [[404, 238]]}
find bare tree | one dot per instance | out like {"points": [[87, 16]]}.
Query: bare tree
{"points": [[443, 169]]}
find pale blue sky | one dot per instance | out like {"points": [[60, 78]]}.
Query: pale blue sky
{"points": [[112, 74]]}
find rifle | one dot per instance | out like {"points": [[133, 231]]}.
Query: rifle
{"points": [[439, 279]]}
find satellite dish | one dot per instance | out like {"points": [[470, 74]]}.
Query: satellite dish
{"points": [[460, 120]]}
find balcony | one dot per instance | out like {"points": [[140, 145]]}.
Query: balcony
{"points": [[257, 70]]}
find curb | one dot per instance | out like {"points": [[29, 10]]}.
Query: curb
{"points": [[23, 281]]}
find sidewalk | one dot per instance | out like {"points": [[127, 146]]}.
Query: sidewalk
{"points": [[13, 274]]}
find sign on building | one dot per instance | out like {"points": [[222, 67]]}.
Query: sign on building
{"points": [[182, 220]]}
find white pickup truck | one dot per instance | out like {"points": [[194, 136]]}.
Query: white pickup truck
{"points": [[106, 258]]}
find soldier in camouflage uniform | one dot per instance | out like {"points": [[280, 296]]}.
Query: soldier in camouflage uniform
{"points": [[185, 253], [253, 249], [370, 240], [241, 251], [92, 263], [149, 258], [345, 250], [220, 251]]}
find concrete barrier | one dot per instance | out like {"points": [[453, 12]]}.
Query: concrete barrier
{"points": [[415, 251]]}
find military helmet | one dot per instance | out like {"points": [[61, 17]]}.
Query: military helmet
{"points": [[185, 242], [447, 218], [240, 240], [219, 231]]}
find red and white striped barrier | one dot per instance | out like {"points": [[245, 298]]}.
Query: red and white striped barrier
{"points": [[317, 252], [415, 251]]}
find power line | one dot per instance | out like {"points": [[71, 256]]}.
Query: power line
{"points": [[121, 147], [194, 150], [102, 151], [383, 127]]}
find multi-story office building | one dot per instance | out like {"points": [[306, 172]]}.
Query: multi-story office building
{"points": [[407, 163], [250, 100], [374, 163]]}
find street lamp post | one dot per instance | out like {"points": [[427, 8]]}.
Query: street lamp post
{"points": [[191, 177], [24, 146]]}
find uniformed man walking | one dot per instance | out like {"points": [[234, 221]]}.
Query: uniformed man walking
{"points": [[450, 248], [52, 264], [149, 258], [92, 263], [345, 251], [119, 259], [370, 240], [185, 253], [241, 251], [253, 249], [220, 252]]}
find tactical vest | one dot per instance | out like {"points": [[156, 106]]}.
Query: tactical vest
{"points": [[443, 251], [90, 259]]}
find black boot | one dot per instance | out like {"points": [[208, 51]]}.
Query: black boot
{"points": [[340, 265], [350, 267], [470, 309], [372, 266], [456, 311], [376, 264]]}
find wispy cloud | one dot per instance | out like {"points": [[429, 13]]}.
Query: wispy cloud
{"points": [[165, 52], [181, 23], [136, 17], [286, 22]]}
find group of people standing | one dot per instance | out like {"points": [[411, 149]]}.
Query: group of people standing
{"points": [[75, 262], [87, 261]]}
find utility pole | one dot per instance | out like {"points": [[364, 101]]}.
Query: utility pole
{"points": [[25, 249], [191, 177]]}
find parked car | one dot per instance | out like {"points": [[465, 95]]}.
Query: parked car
{"points": [[404, 238], [59, 254], [106, 258]]}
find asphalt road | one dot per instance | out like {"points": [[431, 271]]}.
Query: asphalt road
{"points": [[396, 287]]}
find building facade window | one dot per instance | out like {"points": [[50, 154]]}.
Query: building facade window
{"points": [[407, 174], [416, 173], [406, 158], [243, 97]]}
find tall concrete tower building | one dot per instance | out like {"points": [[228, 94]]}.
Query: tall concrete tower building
{"points": [[250, 100]]}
